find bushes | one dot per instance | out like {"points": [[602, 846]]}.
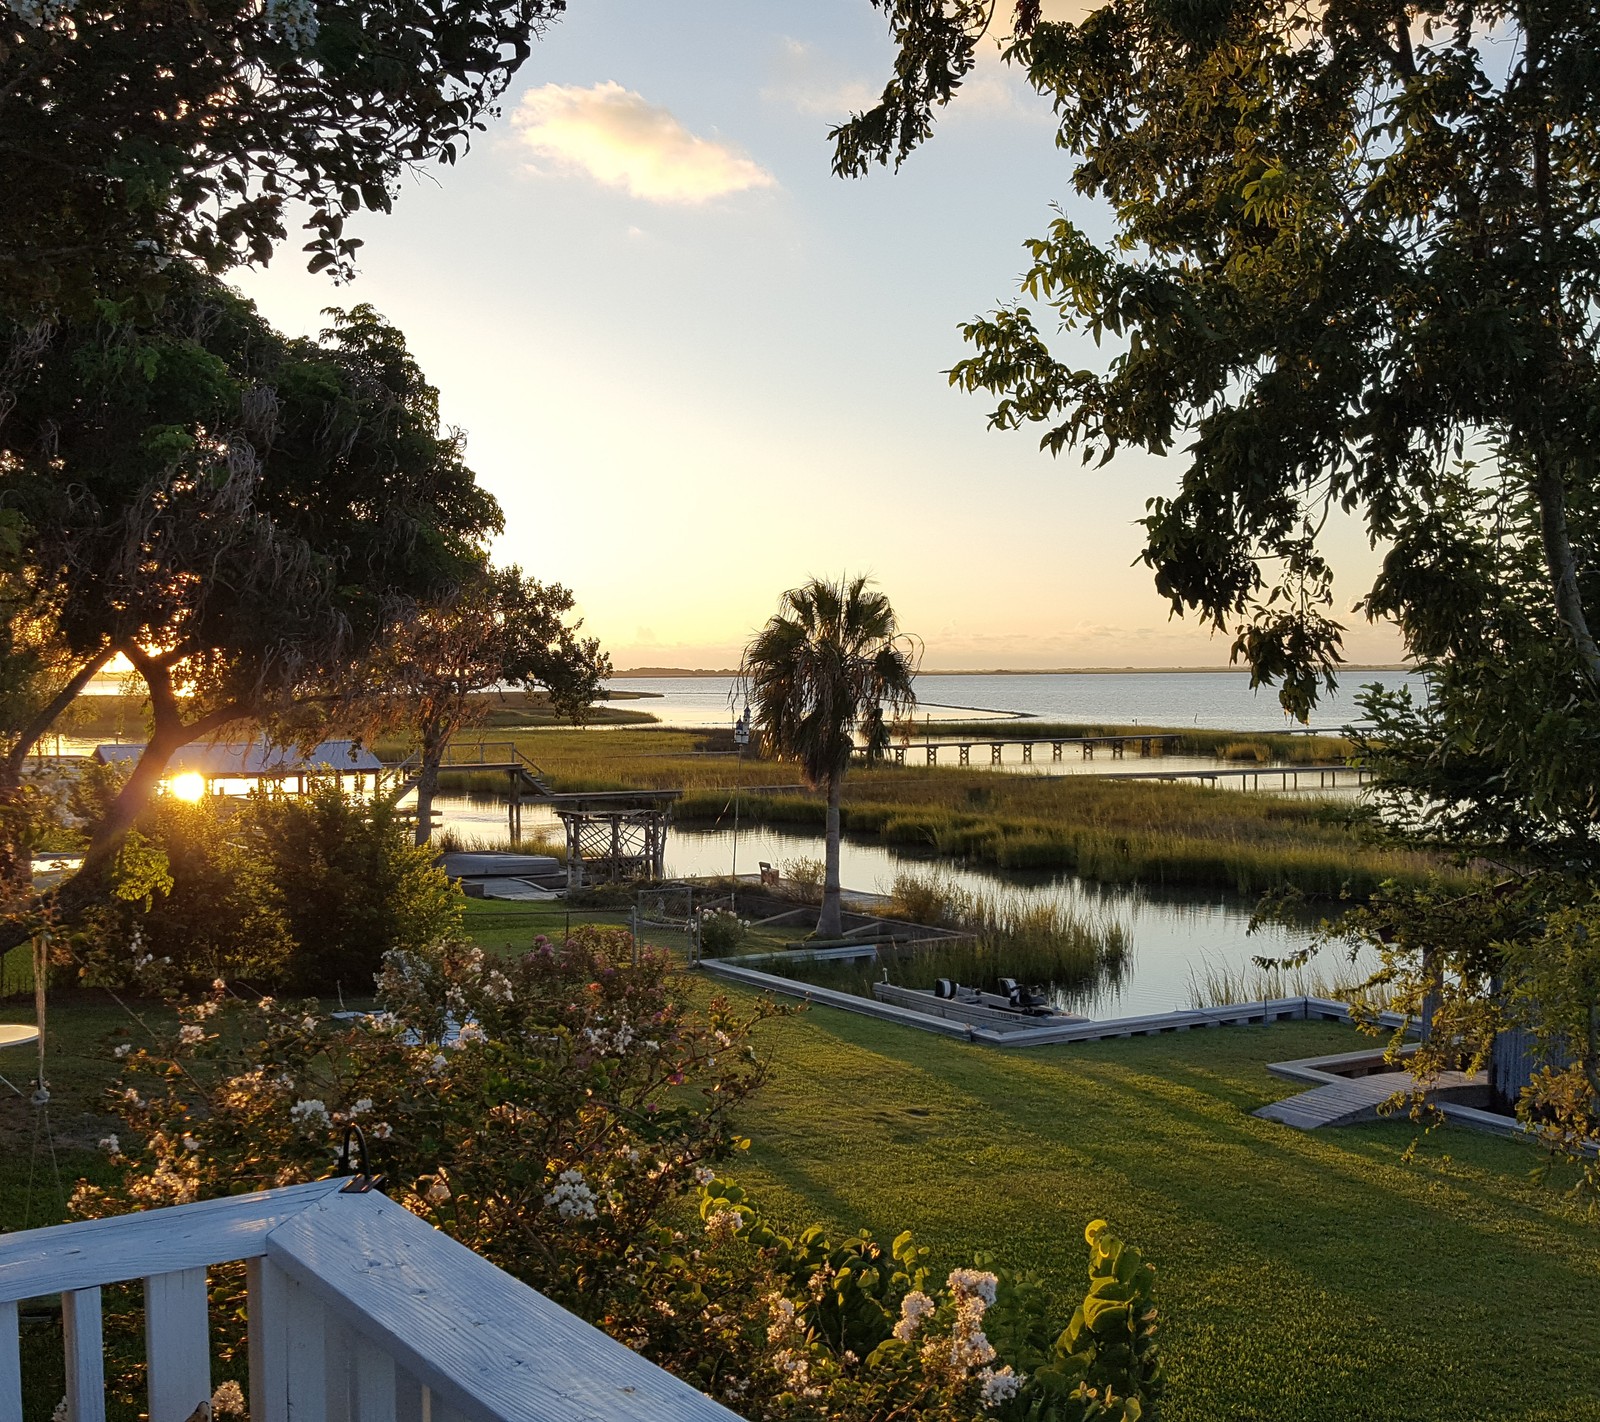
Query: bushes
{"points": [[561, 1135], [305, 894], [353, 884]]}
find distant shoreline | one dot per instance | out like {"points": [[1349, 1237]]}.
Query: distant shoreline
{"points": [[661, 673]]}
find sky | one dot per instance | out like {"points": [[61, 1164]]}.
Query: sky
{"points": [[696, 368]]}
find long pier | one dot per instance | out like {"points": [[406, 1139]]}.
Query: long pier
{"points": [[1288, 775], [1144, 746]]}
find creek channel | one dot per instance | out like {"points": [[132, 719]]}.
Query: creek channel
{"points": [[1176, 938]]}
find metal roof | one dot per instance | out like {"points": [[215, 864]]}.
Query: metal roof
{"points": [[255, 758]]}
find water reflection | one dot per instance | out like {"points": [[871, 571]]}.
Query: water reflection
{"points": [[1172, 934]]}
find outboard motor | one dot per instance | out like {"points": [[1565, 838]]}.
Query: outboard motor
{"points": [[944, 988]]}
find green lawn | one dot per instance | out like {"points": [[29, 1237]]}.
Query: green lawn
{"points": [[1302, 1276]]}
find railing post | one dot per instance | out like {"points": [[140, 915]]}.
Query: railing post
{"points": [[269, 1342], [10, 1366], [177, 1344], [86, 1377]]}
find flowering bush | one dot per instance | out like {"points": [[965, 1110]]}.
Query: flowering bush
{"points": [[854, 1331], [549, 1131], [721, 931]]}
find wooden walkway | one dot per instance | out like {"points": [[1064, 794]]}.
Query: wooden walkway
{"points": [[1344, 1100], [1117, 745]]}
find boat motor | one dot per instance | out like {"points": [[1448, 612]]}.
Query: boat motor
{"points": [[944, 988]]}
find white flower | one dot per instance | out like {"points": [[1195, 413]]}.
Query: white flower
{"points": [[998, 1386], [914, 1307], [123, 1049], [471, 1034], [220, 985], [704, 1175], [228, 1398], [111, 1146], [723, 1039], [310, 1113], [973, 1281], [572, 1197], [722, 1225], [498, 986], [60, 1414], [438, 1064], [308, 1023], [361, 1107], [381, 1130], [438, 1192], [190, 1144], [189, 1034], [135, 1100]]}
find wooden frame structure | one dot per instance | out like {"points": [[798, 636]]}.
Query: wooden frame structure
{"points": [[614, 838]]}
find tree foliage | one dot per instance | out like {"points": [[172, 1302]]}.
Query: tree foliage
{"points": [[240, 515], [1353, 243], [496, 628], [136, 131]]}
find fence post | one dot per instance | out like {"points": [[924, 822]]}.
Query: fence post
{"points": [[634, 916]]}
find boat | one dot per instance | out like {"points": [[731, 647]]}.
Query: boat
{"points": [[1012, 997], [1011, 1008]]}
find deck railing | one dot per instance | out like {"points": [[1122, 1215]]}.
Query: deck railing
{"points": [[358, 1312]]}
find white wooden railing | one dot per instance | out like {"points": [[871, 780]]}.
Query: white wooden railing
{"points": [[358, 1312]]}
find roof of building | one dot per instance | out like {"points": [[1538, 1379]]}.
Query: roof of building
{"points": [[261, 758]]}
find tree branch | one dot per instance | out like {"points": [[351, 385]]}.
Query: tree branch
{"points": [[1550, 492]]}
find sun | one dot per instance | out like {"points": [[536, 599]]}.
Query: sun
{"points": [[188, 786]]}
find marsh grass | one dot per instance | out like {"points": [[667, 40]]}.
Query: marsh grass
{"points": [[1215, 985], [1037, 941], [449, 841], [1113, 831]]}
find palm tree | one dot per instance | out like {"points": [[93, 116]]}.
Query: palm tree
{"points": [[828, 669]]}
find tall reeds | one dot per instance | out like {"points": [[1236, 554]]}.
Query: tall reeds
{"points": [[1214, 985]]}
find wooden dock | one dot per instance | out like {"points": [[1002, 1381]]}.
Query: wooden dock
{"points": [[1087, 745]]}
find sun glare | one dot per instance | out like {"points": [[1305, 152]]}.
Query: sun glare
{"points": [[188, 786]]}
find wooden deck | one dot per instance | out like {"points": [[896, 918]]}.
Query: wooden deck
{"points": [[1349, 1088]]}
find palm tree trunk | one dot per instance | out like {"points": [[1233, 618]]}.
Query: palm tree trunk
{"points": [[828, 923]]}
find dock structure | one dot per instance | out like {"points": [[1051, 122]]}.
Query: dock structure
{"points": [[1288, 776], [615, 836], [258, 762], [1144, 745]]}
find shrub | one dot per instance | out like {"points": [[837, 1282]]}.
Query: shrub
{"points": [[721, 931], [307, 893], [354, 886], [579, 1098]]}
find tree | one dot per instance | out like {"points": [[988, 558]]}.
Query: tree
{"points": [[1356, 266], [497, 629], [134, 132], [240, 515], [1354, 243], [830, 666]]}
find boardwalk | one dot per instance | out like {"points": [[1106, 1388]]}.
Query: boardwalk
{"points": [[1144, 745]]}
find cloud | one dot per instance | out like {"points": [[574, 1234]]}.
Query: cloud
{"points": [[806, 80], [615, 137]]}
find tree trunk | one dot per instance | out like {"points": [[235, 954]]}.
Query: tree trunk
{"points": [[168, 735], [828, 922], [1550, 491], [427, 787]]}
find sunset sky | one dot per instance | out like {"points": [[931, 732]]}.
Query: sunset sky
{"points": [[697, 368]]}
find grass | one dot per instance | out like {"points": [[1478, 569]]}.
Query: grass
{"points": [[1213, 985], [1304, 1277], [1317, 1277], [1114, 831]]}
